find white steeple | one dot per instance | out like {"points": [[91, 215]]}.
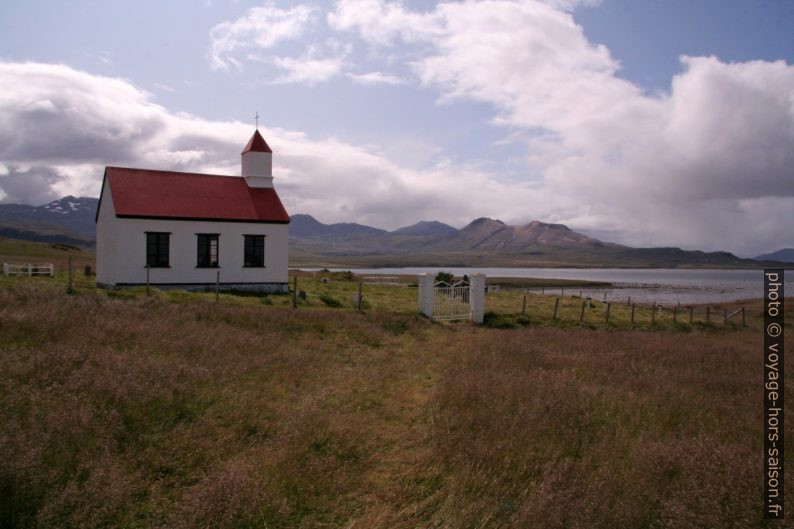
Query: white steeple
{"points": [[257, 162]]}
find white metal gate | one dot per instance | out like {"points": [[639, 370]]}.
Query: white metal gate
{"points": [[451, 302]]}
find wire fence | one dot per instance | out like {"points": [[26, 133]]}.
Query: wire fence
{"points": [[586, 309]]}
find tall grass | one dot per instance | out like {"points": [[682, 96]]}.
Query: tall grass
{"points": [[177, 411], [548, 430]]}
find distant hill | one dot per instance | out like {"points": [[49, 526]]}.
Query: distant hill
{"points": [[786, 255], [72, 213], [433, 228], [69, 220], [485, 234], [302, 226], [483, 242], [42, 232], [21, 251]]}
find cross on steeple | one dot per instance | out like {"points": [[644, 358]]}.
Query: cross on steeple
{"points": [[256, 117]]}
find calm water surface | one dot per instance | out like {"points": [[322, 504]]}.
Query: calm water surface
{"points": [[666, 286]]}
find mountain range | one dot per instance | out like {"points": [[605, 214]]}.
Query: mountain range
{"points": [[69, 220], [786, 255], [483, 242], [482, 234]]}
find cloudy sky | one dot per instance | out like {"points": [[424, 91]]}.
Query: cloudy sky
{"points": [[643, 122]]}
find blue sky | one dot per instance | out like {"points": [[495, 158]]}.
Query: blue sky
{"points": [[642, 122]]}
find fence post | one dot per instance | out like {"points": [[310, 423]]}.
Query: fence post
{"points": [[542, 290], [524, 306], [217, 285], [359, 296], [607, 306], [675, 314], [744, 324], [628, 301], [632, 313], [295, 291], [477, 297], [653, 313], [556, 307], [581, 314], [562, 292], [708, 314], [426, 294], [69, 290], [30, 267]]}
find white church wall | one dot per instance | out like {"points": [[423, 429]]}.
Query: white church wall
{"points": [[105, 239], [121, 250]]}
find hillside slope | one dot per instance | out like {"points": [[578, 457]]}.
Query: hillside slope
{"points": [[786, 255], [483, 242]]}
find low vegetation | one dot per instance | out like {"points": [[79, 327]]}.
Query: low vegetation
{"points": [[27, 252], [122, 409]]}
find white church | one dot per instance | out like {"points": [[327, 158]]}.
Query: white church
{"points": [[189, 230]]}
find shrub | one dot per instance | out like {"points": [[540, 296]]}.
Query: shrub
{"points": [[445, 277], [330, 301], [497, 321]]}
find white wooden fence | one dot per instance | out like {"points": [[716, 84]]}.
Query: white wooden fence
{"points": [[46, 269]]}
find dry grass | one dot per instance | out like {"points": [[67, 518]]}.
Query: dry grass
{"points": [[549, 429], [176, 411]]}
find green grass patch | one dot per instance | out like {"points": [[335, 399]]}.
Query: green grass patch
{"points": [[330, 301]]}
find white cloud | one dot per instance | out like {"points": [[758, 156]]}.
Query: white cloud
{"points": [[165, 87], [259, 29], [308, 69], [380, 23], [62, 150], [376, 78], [707, 165], [256, 36], [692, 167], [570, 5]]}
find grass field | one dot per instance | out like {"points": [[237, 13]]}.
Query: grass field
{"points": [[119, 409], [16, 251]]}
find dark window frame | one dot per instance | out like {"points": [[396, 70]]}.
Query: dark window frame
{"points": [[254, 251], [204, 250], [158, 249]]}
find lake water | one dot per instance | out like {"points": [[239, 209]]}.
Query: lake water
{"points": [[665, 286]]}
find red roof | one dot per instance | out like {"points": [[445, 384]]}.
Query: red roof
{"points": [[174, 195], [257, 144]]}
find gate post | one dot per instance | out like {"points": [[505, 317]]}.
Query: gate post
{"points": [[477, 297], [426, 294]]}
